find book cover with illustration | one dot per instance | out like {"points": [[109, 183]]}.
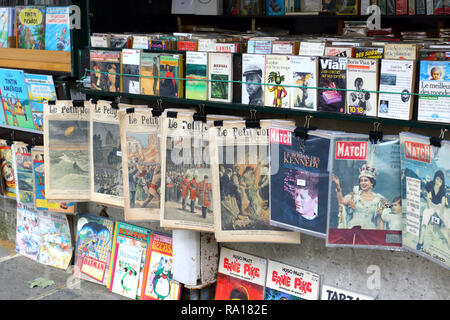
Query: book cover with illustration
{"points": [[15, 100], [93, 249], [150, 73], [7, 170], [240, 276], [158, 274], [30, 27], [347, 7], [105, 70], [171, 71], [23, 170], [131, 71], [274, 7], [57, 28], [303, 76], [196, 71], [40, 87], [276, 77], [6, 25], [28, 238], [40, 201], [332, 76], [220, 71]]}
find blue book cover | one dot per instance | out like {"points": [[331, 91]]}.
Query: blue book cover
{"points": [[57, 29], [299, 181], [274, 7], [40, 88], [14, 98]]}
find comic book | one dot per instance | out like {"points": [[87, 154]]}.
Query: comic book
{"points": [[347, 7], [241, 276], [158, 275], [40, 201], [336, 51], [150, 73], [196, 71], [57, 28], [15, 100], [28, 239], [23, 170], [141, 163], [94, 240], [7, 169], [106, 181], [131, 70], [303, 74], [253, 70], [284, 282], [299, 179], [6, 25], [274, 7], [334, 293], [434, 79], [56, 241], [105, 70], [132, 239], [30, 27], [40, 87], [365, 193], [332, 75], [240, 181], [186, 200], [66, 150], [426, 216], [171, 71]]}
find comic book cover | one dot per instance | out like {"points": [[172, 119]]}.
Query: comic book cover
{"points": [[23, 170], [187, 199], [93, 249], [250, 8], [40, 87], [40, 202], [347, 7], [369, 52], [275, 78], [362, 76], [335, 293], [15, 100], [299, 180], [6, 25], [170, 72], [158, 275], [137, 238], [131, 70], [284, 282], [30, 27], [7, 170], [196, 71], [303, 74], [332, 75], [56, 241], [141, 163], [150, 73], [253, 70], [106, 181], [57, 28], [365, 193], [434, 80], [274, 7], [220, 71], [240, 166], [66, 150], [105, 70], [28, 239], [241, 276], [425, 179]]}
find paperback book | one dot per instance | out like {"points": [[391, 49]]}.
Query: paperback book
{"points": [[150, 73], [303, 76], [277, 75], [105, 70], [23, 170], [362, 77], [253, 73], [131, 71], [332, 81], [196, 75], [220, 73], [171, 71]]}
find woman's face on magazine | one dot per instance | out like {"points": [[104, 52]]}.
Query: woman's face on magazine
{"points": [[365, 183]]}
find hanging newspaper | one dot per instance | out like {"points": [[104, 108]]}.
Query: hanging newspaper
{"points": [[365, 193], [425, 182], [240, 166], [141, 163], [66, 150], [106, 183]]}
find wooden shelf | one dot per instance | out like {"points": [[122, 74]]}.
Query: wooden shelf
{"points": [[45, 60]]}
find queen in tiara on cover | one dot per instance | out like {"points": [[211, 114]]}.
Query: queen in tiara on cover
{"points": [[361, 207]]}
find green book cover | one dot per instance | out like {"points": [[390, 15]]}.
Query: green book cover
{"points": [[196, 71]]}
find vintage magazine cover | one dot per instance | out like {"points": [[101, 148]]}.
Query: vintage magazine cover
{"points": [[275, 78], [196, 73], [284, 282], [150, 73], [56, 241], [130, 236], [186, 200], [23, 170], [7, 169], [240, 166], [303, 74], [426, 214], [334, 293], [253, 70], [365, 193], [105, 70], [40, 201], [220, 71], [362, 75], [434, 80], [93, 248], [141, 164], [299, 180], [332, 75], [240, 276], [158, 275], [106, 181], [66, 150], [396, 76], [28, 239], [131, 70]]}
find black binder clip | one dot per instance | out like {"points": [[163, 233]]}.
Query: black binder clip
{"points": [[436, 141], [129, 110], [115, 104], [201, 114], [51, 102], [94, 100], [157, 112], [172, 114], [302, 132], [218, 123], [252, 123], [78, 103], [375, 135]]}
